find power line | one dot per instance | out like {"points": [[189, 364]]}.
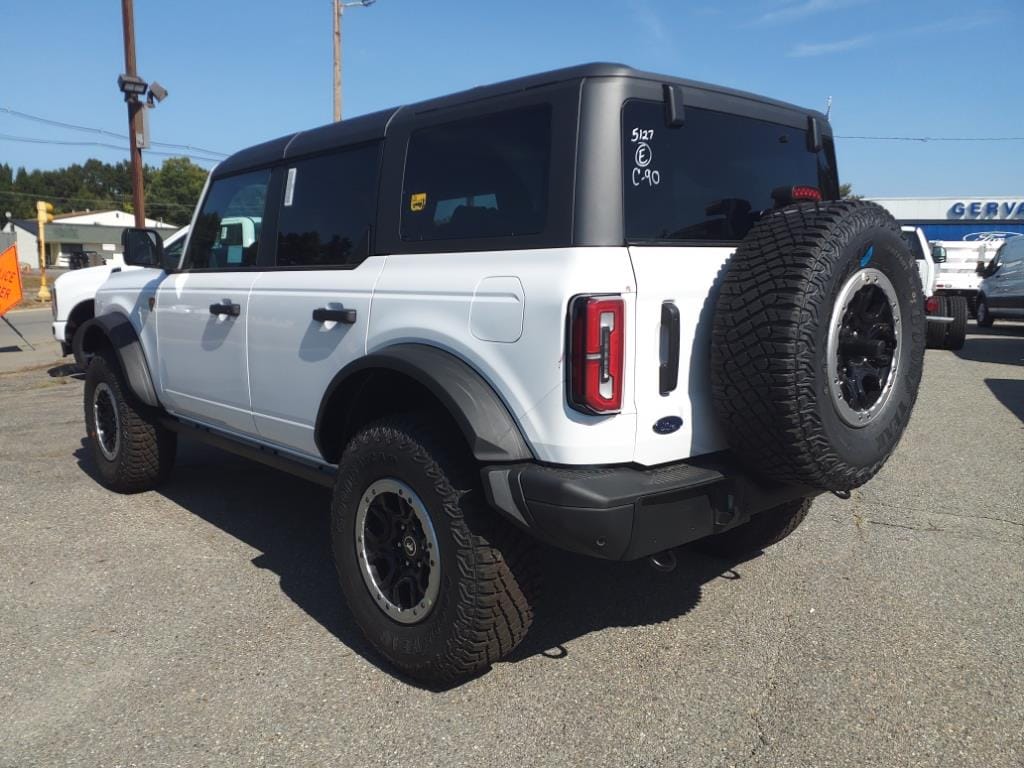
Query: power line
{"points": [[102, 132], [925, 139], [87, 198], [102, 144]]}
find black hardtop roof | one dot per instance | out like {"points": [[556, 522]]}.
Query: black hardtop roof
{"points": [[373, 126]]}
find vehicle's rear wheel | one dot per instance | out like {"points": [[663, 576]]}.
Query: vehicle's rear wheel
{"points": [[985, 318], [936, 333], [818, 344], [440, 585], [760, 532], [956, 331], [132, 451]]}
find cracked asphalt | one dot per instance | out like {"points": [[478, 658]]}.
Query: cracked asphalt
{"points": [[201, 625]]}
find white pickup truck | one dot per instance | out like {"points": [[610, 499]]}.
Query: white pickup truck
{"points": [[946, 314], [73, 296], [958, 272]]}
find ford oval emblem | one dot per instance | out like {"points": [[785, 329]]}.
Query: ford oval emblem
{"points": [[667, 425]]}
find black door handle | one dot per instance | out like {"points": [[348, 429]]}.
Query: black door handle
{"points": [[324, 315], [225, 308], [668, 375]]}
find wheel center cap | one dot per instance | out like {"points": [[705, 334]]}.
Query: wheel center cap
{"points": [[409, 545]]}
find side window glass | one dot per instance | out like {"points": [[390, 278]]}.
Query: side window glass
{"points": [[328, 208], [479, 177], [227, 229]]}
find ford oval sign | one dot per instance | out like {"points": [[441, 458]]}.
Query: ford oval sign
{"points": [[667, 425]]}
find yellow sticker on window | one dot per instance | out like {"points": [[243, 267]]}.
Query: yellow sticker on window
{"points": [[418, 202]]}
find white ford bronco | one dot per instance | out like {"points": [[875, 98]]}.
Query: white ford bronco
{"points": [[603, 309]]}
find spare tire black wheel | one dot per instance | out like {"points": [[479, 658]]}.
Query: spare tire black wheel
{"points": [[818, 344]]}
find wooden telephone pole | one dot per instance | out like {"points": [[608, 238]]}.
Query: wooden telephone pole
{"points": [[135, 107]]}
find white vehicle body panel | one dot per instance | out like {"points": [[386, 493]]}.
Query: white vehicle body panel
{"points": [[202, 367], [436, 299], [689, 277], [926, 266], [292, 358], [960, 270]]}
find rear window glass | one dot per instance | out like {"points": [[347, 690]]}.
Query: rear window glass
{"points": [[478, 178], [328, 207], [712, 178]]}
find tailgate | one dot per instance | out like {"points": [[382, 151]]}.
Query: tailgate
{"points": [[688, 278]]}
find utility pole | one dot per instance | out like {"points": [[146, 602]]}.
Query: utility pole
{"points": [[134, 111], [338, 9]]}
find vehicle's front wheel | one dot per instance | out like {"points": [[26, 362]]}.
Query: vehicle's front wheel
{"points": [[763, 530], [439, 584], [132, 451], [985, 318]]}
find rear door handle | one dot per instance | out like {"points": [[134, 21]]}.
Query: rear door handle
{"points": [[225, 308], [325, 315], [668, 374]]}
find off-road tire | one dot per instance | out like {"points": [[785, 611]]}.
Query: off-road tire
{"points": [[936, 332], [770, 338], [984, 316], [145, 449], [760, 532], [489, 570], [956, 332]]}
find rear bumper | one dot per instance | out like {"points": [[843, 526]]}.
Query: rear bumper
{"points": [[624, 513]]}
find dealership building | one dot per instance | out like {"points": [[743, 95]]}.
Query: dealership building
{"points": [[959, 218]]}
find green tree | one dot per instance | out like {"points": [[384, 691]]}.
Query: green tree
{"points": [[174, 190], [846, 192]]}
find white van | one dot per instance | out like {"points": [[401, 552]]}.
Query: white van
{"points": [[1002, 290]]}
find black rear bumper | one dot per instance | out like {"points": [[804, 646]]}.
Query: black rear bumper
{"points": [[624, 512]]}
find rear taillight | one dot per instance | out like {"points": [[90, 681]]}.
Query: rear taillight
{"points": [[596, 340], [931, 305]]}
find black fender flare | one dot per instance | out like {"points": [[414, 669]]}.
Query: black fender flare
{"points": [[117, 331], [481, 415]]}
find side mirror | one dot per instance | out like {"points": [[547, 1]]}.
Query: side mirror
{"points": [[938, 254], [142, 247]]}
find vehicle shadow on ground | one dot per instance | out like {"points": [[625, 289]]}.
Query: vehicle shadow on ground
{"points": [[288, 521], [994, 345], [1009, 392]]}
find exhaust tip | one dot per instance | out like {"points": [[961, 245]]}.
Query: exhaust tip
{"points": [[664, 562]]}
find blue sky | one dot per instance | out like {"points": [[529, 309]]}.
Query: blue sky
{"points": [[243, 72]]}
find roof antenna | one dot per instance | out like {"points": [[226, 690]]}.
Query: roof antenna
{"points": [[828, 107]]}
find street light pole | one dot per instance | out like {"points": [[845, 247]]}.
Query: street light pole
{"points": [[134, 114], [338, 8]]}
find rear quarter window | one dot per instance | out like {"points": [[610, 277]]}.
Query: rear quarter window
{"points": [[711, 178], [480, 177]]}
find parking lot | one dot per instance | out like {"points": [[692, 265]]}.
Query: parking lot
{"points": [[202, 624]]}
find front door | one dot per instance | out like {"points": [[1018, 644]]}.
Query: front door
{"points": [[202, 310]]}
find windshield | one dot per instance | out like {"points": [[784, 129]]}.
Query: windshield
{"points": [[711, 178]]}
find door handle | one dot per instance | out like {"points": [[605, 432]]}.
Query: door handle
{"points": [[325, 315], [225, 308], [668, 374]]}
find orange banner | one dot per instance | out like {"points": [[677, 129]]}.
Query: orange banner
{"points": [[10, 279]]}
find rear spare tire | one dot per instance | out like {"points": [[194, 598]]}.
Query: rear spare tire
{"points": [[818, 344]]}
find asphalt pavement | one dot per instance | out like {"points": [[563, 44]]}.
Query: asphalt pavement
{"points": [[26, 339], [201, 624]]}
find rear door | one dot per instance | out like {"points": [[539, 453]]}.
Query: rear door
{"points": [[691, 193], [201, 310], [308, 316]]}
